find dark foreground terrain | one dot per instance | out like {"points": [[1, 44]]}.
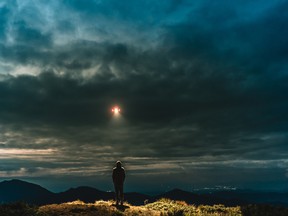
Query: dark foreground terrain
{"points": [[20, 198], [162, 207]]}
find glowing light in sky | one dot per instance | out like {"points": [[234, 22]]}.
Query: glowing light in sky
{"points": [[116, 110]]}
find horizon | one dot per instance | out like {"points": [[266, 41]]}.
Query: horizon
{"points": [[186, 94], [155, 193]]}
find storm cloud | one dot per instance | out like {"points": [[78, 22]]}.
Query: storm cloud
{"points": [[202, 86]]}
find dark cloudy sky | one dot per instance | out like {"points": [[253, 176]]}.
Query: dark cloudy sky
{"points": [[203, 88]]}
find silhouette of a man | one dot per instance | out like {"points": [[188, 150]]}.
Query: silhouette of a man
{"points": [[118, 177]]}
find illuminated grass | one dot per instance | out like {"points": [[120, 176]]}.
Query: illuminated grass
{"points": [[180, 208], [162, 207], [99, 208]]}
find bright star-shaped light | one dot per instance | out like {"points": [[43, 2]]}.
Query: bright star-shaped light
{"points": [[116, 110]]}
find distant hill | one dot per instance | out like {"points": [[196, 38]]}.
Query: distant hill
{"points": [[251, 196], [17, 190], [86, 194]]}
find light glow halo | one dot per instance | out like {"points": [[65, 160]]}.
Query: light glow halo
{"points": [[116, 110]]}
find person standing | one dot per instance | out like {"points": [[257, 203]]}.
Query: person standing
{"points": [[118, 177]]}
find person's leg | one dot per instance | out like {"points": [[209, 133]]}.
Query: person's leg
{"points": [[117, 192], [121, 194]]}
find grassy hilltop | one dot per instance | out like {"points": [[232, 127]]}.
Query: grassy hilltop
{"points": [[163, 207]]}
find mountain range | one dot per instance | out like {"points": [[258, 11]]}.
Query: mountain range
{"points": [[17, 190]]}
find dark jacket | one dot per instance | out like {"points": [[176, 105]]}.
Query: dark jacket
{"points": [[118, 175]]}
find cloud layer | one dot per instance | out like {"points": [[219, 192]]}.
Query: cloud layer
{"points": [[202, 87]]}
